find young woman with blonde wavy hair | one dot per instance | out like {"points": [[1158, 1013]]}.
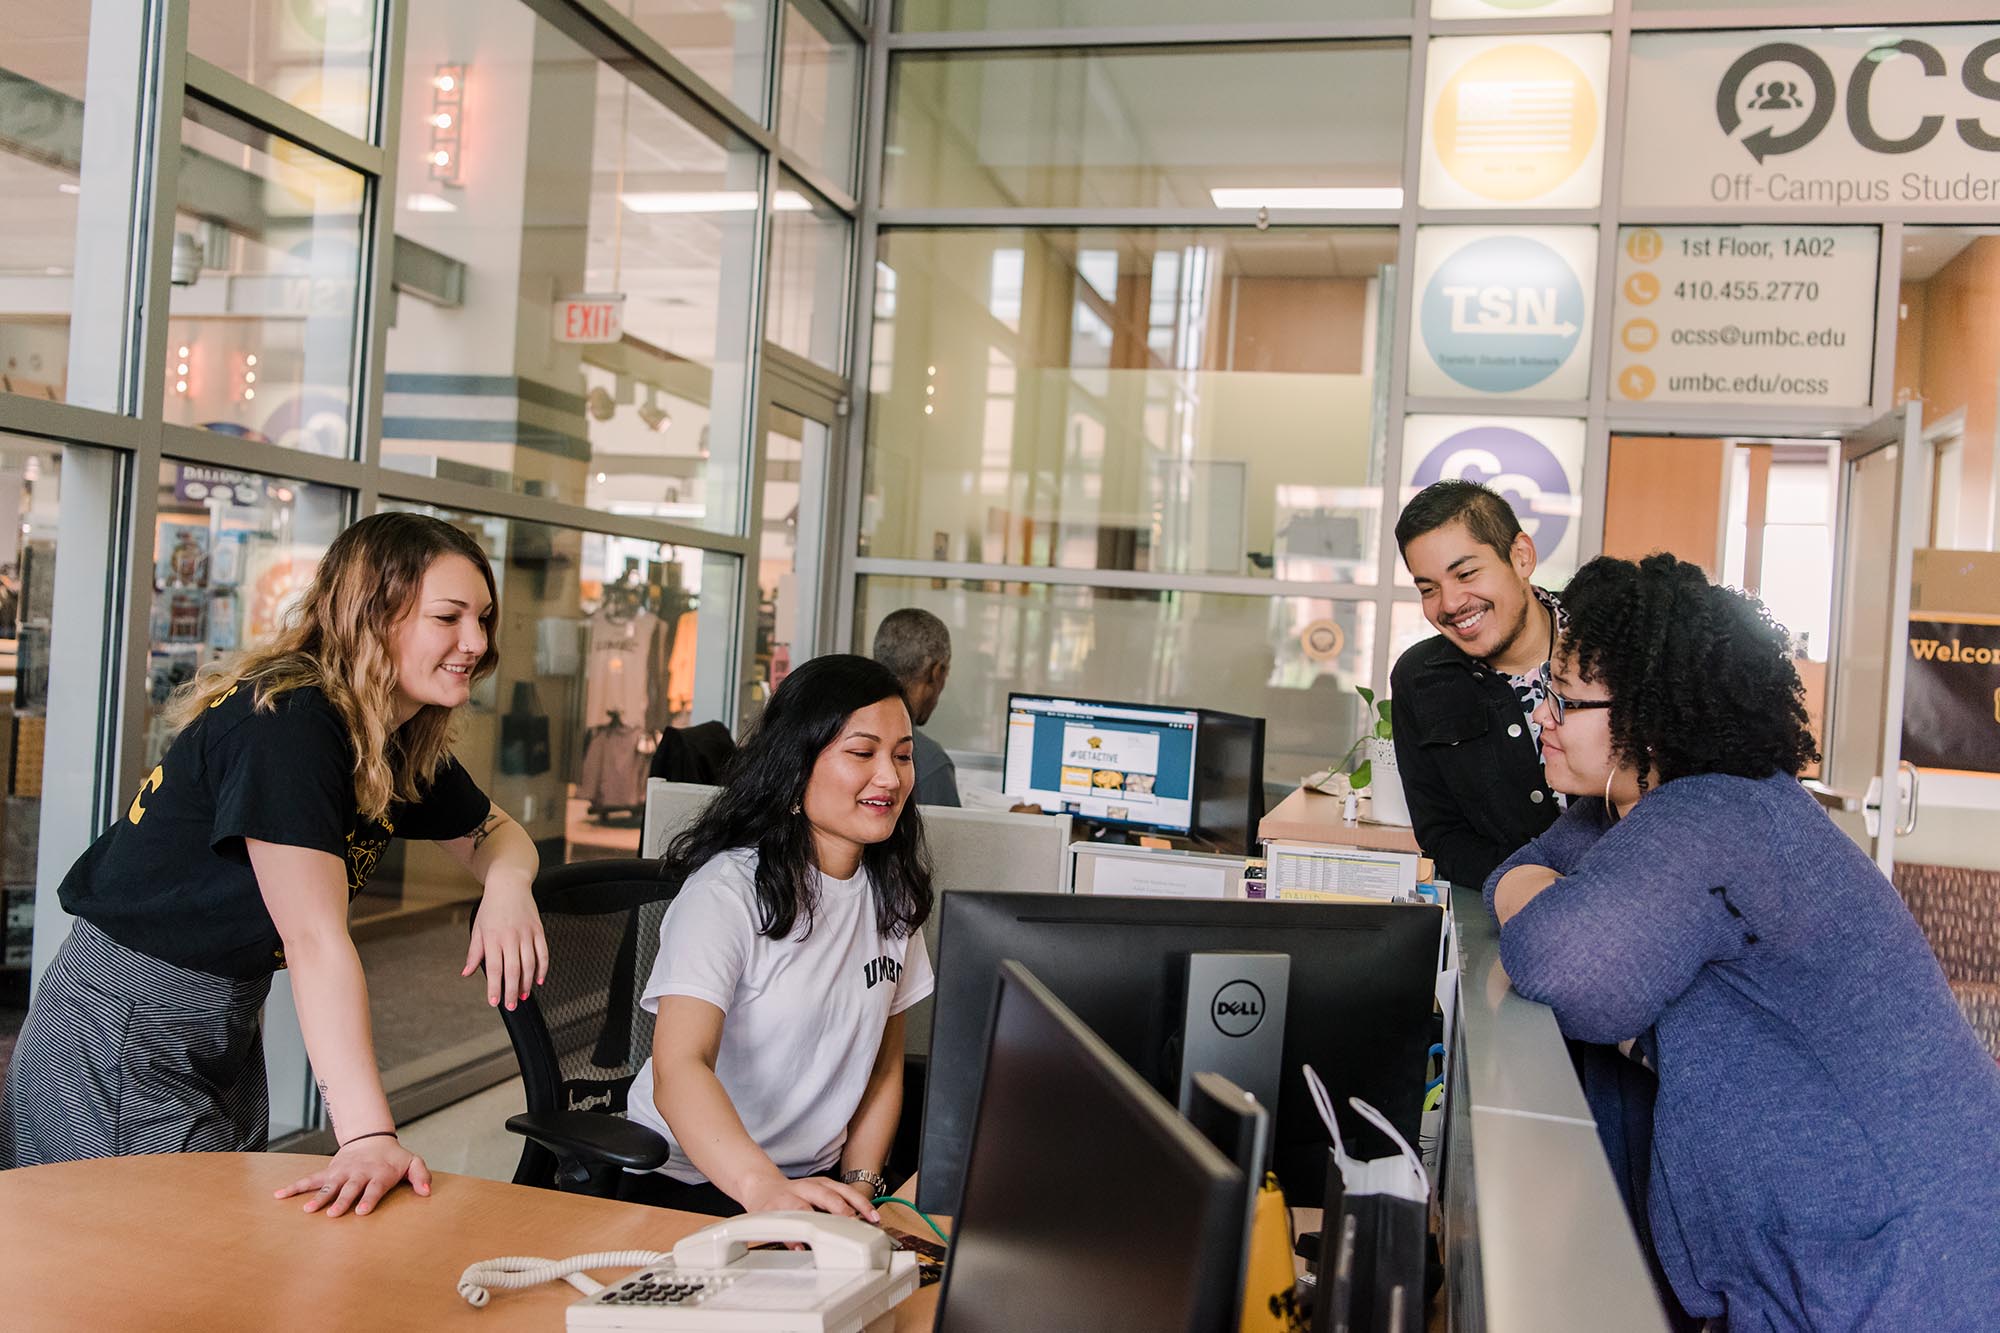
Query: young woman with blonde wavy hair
{"points": [[294, 765]]}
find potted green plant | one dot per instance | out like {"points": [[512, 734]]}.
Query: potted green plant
{"points": [[1375, 768]]}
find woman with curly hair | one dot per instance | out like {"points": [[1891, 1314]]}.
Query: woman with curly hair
{"points": [[295, 763], [1825, 1152]]}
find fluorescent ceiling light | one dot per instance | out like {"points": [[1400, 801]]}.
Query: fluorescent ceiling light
{"points": [[430, 203], [1353, 196], [709, 201]]}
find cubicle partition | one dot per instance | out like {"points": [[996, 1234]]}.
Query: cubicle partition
{"points": [[1535, 1236]]}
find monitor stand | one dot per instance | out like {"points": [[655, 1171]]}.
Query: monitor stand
{"points": [[1233, 1022], [1086, 829]]}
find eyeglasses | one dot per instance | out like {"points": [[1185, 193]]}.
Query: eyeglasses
{"points": [[1560, 706]]}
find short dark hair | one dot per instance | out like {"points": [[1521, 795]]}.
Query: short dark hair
{"points": [[1701, 677], [766, 783], [910, 642], [1485, 513]]}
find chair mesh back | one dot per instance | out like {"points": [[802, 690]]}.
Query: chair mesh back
{"points": [[597, 1038], [586, 1028]]}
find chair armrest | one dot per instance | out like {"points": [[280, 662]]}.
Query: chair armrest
{"points": [[591, 1137]]}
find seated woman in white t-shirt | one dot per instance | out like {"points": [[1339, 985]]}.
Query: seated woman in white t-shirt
{"points": [[788, 959]]}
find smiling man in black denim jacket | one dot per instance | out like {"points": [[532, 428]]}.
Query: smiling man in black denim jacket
{"points": [[1468, 751]]}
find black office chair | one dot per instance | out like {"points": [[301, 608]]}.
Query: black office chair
{"points": [[581, 1037]]}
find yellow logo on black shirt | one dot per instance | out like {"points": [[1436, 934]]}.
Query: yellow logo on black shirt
{"points": [[365, 846], [151, 784]]}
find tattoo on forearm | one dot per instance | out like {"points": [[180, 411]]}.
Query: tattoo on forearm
{"points": [[485, 830], [326, 1102]]}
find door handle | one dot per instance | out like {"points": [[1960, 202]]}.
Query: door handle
{"points": [[1833, 799], [1909, 798]]}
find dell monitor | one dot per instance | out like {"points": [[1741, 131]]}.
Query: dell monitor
{"points": [[1358, 1006], [1125, 764], [1088, 1202], [1229, 781], [1238, 1124]]}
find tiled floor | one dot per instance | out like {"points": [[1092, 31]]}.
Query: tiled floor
{"points": [[470, 1138]]}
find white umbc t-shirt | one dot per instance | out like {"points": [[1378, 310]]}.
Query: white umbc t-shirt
{"points": [[802, 1019]]}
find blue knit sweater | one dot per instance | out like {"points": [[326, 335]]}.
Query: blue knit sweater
{"points": [[1826, 1141]]}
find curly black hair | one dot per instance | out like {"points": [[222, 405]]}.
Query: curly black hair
{"points": [[1700, 676]]}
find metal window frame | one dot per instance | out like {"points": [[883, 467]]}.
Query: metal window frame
{"points": [[115, 446], [1602, 415]]}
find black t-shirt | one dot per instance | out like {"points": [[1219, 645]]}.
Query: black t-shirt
{"points": [[172, 877]]}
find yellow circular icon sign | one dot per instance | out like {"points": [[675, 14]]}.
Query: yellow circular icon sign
{"points": [[1636, 383], [1642, 289], [1322, 640], [1639, 335], [1515, 122], [1644, 245]]}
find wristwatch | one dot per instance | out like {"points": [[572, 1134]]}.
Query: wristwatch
{"points": [[877, 1186]]}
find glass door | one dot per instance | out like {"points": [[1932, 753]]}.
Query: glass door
{"points": [[800, 422], [1882, 510]]}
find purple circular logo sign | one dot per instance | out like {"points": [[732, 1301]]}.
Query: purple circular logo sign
{"points": [[1514, 463]]}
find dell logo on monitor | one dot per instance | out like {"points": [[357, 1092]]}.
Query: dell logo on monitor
{"points": [[1238, 1009]]}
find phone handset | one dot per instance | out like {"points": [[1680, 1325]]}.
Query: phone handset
{"points": [[836, 1242]]}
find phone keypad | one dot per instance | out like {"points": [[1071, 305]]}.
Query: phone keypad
{"points": [[660, 1289]]}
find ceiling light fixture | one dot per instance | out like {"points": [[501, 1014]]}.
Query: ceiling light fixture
{"points": [[709, 201], [1347, 197]]}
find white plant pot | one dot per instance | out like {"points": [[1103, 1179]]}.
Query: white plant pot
{"points": [[1385, 784]]}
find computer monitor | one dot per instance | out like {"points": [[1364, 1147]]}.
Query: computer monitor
{"points": [[1229, 780], [1238, 1125], [1359, 1005], [1088, 1202], [1114, 763]]}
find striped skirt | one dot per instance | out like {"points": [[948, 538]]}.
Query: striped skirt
{"points": [[124, 1054]]}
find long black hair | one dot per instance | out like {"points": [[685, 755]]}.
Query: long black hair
{"points": [[763, 794], [1701, 677]]}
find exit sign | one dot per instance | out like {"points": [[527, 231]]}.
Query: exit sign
{"points": [[591, 319]]}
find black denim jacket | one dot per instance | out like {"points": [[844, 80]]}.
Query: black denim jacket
{"points": [[1470, 770]]}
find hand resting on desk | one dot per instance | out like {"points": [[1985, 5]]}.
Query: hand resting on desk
{"points": [[359, 1175]]}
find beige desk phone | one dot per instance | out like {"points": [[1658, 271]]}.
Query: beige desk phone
{"points": [[848, 1280]]}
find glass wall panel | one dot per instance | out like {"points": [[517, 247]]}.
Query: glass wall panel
{"points": [[722, 40], [806, 309], [1294, 661], [1200, 402], [794, 461], [266, 279], [316, 54], [602, 642], [978, 15], [41, 179], [1147, 129], [594, 344], [30, 490], [819, 92], [232, 554], [1831, 11]]}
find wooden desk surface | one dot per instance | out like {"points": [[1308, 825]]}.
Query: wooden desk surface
{"points": [[195, 1241], [1310, 816]]}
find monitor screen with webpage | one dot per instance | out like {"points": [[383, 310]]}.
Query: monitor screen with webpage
{"points": [[1110, 762]]}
